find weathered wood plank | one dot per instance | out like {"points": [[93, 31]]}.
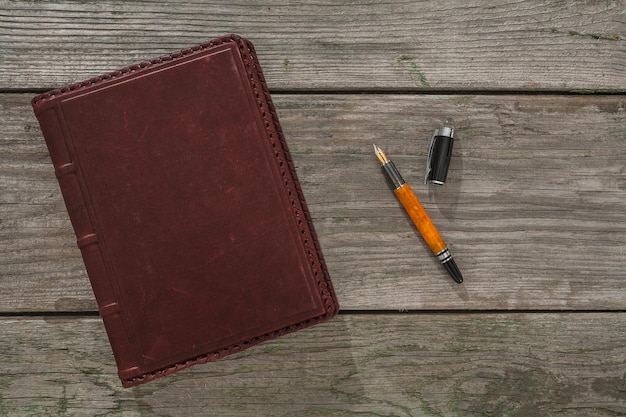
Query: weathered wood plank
{"points": [[362, 44], [365, 365], [534, 208]]}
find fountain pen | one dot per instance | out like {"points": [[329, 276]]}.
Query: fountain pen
{"points": [[418, 215]]}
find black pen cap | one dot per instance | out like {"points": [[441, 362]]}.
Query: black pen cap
{"points": [[440, 153]]}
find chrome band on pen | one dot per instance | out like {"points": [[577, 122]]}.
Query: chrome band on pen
{"points": [[393, 174], [444, 256]]}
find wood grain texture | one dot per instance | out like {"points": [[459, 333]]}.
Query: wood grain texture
{"points": [[534, 209], [355, 365], [357, 44]]}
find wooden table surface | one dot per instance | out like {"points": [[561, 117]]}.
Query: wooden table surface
{"points": [[534, 208]]}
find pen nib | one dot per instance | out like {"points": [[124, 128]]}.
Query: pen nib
{"points": [[380, 155]]}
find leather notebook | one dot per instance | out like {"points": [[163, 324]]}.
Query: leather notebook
{"points": [[187, 209]]}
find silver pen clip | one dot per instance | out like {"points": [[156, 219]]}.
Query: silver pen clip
{"points": [[430, 156]]}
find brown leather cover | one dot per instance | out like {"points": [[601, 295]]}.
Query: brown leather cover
{"points": [[186, 207]]}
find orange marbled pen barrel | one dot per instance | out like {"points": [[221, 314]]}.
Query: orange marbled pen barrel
{"points": [[419, 216]]}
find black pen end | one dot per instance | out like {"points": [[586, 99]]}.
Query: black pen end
{"points": [[453, 270]]}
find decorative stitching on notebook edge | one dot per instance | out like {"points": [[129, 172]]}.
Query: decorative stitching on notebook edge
{"points": [[297, 204]]}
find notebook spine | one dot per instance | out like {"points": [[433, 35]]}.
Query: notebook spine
{"points": [[87, 240]]}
